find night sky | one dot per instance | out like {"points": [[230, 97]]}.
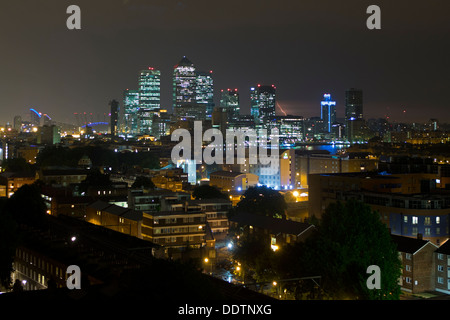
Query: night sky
{"points": [[306, 48]]}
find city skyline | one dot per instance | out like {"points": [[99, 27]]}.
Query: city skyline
{"points": [[59, 71]]}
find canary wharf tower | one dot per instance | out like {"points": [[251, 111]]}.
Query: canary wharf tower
{"points": [[184, 83]]}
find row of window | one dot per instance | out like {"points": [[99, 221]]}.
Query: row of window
{"points": [[427, 220], [178, 239], [427, 231], [177, 220], [178, 230]]}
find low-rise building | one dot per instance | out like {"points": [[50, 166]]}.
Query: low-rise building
{"points": [[124, 220], [216, 214], [416, 255], [230, 181], [175, 229], [442, 268], [280, 231], [62, 176], [10, 182]]}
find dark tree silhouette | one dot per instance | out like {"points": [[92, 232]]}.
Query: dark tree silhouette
{"points": [[263, 201], [208, 192]]}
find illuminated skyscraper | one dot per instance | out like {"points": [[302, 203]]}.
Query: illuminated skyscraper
{"points": [[149, 98], [353, 104], [129, 118], [150, 89], [262, 100], [204, 91], [229, 101], [353, 112], [327, 112], [184, 83]]}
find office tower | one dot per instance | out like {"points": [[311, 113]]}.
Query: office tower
{"points": [[204, 91], [150, 89], [47, 121], [149, 99], [353, 104], [129, 119], [49, 135], [291, 128], [229, 101], [327, 112], [353, 113], [262, 100], [114, 110], [184, 83], [161, 124], [18, 123]]}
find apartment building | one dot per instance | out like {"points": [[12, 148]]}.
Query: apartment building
{"points": [[114, 217], [442, 268], [216, 214], [416, 255]]}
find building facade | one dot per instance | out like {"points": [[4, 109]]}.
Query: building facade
{"points": [[262, 103], [328, 112], [229, 101]]}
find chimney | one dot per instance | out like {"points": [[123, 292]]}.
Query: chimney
{"points": [[419, 236]]}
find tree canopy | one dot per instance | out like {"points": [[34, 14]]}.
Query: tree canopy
{"points": [[263, 201], [350, 238], [25, 206], [8, 243], [208, 192], [143, 182]]}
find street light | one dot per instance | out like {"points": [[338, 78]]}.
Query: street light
{"points": [[206, 260]]}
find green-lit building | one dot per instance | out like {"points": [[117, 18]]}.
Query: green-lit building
{"points": [[149, 98], [128, 123]]}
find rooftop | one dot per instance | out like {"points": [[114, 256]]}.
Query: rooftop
{"points": [[408, 244], [273, 224]]}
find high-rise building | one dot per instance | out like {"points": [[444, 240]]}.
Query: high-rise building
{"points": [[229, 100], [353, 112], [327, 112], [150, 89], [353, 104], [149, 98], [262, 100], [204, 91], [129, 119], [114, 110], [18, 123], [184, 83]]}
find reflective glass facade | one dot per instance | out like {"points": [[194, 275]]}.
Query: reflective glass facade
{"points": [[129, 119], [184, 83], [205, 91], [262, 103], [229, 99], [149, 99], [150, 89]]}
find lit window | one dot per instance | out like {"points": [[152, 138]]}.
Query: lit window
{"points": [[415, 220], [438, 220]]}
